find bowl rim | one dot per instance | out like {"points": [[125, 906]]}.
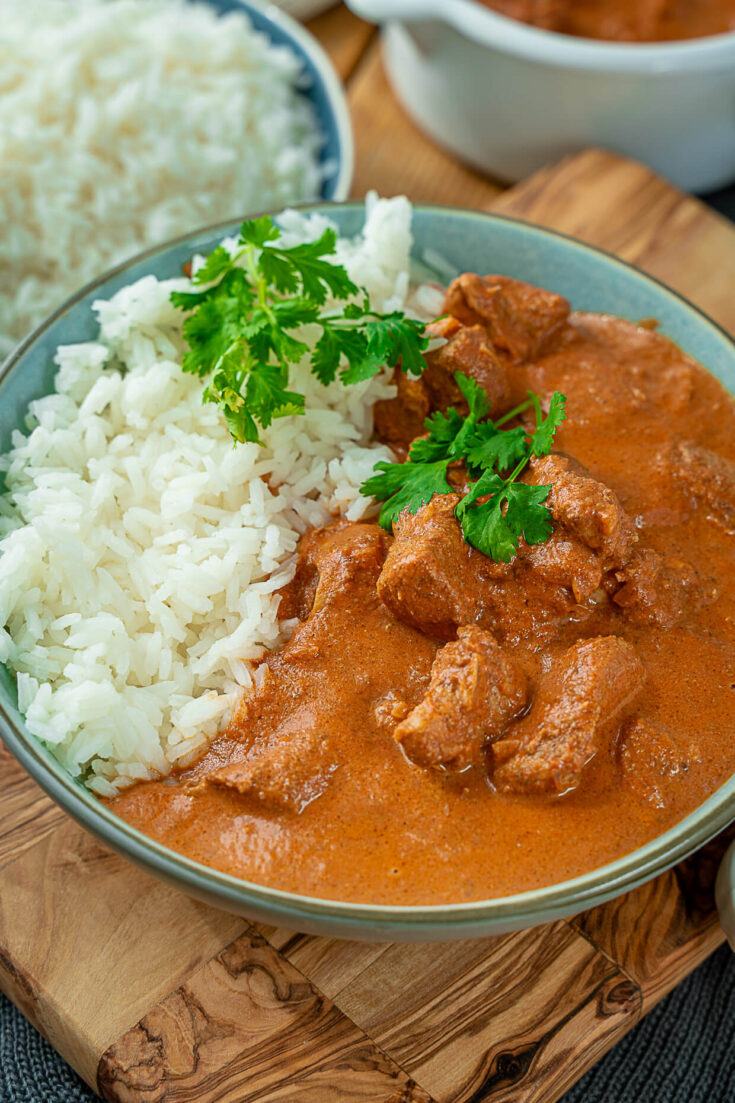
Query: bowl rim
{"points": [[512, 912], [340, 186], [490, 28]]}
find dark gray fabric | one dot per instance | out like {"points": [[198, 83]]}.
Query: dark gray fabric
{"points": [[682, 1052]]}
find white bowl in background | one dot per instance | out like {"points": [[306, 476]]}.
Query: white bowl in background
{"points": [[509, 98]]}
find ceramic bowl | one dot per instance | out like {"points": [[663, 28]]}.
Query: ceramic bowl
{"points": [[322, 87], [468, 241], [509, 98]]}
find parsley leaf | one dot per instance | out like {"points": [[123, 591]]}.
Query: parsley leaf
{"points": [[486, 528], [543, 437], [258, 232], [496, 510], [405, 486], [490, 446], [215, 266], [245, 306]]}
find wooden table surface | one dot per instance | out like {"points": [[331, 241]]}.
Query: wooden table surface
{"points": [[392, 155]]}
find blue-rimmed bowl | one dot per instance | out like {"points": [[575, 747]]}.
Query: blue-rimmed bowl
{"points": [[321, 86], [593, 281]]}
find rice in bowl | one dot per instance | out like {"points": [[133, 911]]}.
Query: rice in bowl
{"points": [[141, 551]]}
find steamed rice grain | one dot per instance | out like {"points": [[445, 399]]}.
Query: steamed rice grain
{"points": [[126, 122], [142, 551]]}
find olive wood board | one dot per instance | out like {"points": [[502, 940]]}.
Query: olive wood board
{"points": [[155, 998]]}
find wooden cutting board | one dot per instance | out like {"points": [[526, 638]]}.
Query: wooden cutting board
{"points": [[155, 998]]}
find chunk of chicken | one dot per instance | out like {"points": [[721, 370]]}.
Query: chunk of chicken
{"points": [[583, 694], [434, 581], [328, 559], [283, 777], [430, 576], [649, 757], [708, 477], [521, 320], [399, 420], [588, 510], [653, 589], [474, 692], [468, 350]]}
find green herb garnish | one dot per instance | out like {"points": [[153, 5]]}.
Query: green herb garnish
{"points": [[240, 327], [494, 458]]}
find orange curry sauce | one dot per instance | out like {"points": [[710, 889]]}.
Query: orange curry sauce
{"points": [[583, 696], [623, 20]]}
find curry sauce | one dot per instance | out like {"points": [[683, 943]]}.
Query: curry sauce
{"points": [[623, 20], [442, 728]]}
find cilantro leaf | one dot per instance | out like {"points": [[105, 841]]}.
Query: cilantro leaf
{"points": [[210, 332], [442, 432], [543, 438], [496, 510], [474, 394], [334, 344], [242, 311], [267, 398], [526, 515], [489, 446], [485, 527], [258, 232], [303, 265], [391, 338], [215, 266], [405, 486]]}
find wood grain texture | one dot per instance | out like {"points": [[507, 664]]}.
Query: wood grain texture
{"points": [[330, 963], [622, 206], [88, 943], [249, 1027], [26, 813], [343, 36], [497, 1018], [665, 928]]}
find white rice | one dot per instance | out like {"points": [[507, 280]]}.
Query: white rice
{"points": [[142, 549], [126, 122]]}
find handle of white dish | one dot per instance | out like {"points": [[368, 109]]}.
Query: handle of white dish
{"points": [[725, 894]]}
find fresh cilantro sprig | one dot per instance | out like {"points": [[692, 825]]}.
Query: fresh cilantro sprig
{"points": [[243, 314], [497, 509]]}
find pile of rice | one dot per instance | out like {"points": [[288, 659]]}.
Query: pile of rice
{"points": [[126, 122], [142, 550]]}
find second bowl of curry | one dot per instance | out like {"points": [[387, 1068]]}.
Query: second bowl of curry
{"points": [[509, 96]]}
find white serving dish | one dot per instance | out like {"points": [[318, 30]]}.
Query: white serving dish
{"points": [[509, 98]]}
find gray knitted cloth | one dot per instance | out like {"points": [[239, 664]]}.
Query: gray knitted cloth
{"points": [[682, 1052]]}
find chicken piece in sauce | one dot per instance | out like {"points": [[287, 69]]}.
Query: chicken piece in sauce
{"points": [[650, 758], [491, 324], [657, 590], [577, 701], [443, 727], [286, 776], [474, 692], [708, 478], [521, 320], [434, 580]]}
